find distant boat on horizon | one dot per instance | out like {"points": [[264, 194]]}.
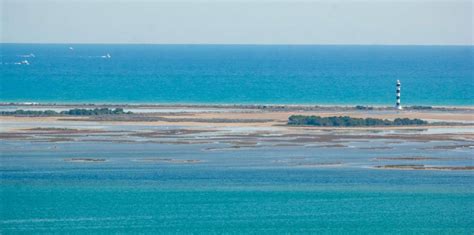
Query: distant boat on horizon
{"points": [[108, 56]]}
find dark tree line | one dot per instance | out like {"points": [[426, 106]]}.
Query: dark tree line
{"points": [[71, 112], [349, 121], [92, 112]]}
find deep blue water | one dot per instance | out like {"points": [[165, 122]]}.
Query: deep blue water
{"points": [[430, 75]]}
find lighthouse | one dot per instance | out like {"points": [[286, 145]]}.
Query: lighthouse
{"points": [[398, 105]]}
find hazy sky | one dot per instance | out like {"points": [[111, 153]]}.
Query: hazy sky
{"points": [[238, 22]]}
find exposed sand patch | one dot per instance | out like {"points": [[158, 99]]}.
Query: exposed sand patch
{"points": [[57, 130], [167, 160], [328, 146], [423, 167], [318, 164], [172, 132], [53, 140], [239, 127], [85, 160], [459, 146], [13, 136], [416, 158], [230, 116], [376, 148]]}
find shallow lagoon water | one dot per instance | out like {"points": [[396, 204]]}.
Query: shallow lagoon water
{"points": [[245, 190]]}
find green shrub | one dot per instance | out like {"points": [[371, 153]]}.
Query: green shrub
{"points": [[346, 121], [71, 112]]}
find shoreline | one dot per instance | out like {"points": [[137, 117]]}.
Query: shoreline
{"points": [[257, 106], [238, 131], [240, 115]]}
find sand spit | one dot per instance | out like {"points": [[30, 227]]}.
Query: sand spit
{"points": [[85, 160], [237, 126], [377, 148], [167, 160], [328, 146], [424, 167], [13, 136], [317, 164], [335, 137], [265, 107], [53, 140], [55, 130], [233, 147], [149, 118], [287, 145], [255, 115], [417, 158], [212, 135], [460, 146], [166, 133]]}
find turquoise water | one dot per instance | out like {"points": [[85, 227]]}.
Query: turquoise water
{"points": [[430, 75], [241, 191]]}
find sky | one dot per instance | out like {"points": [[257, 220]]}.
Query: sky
{"points": [[379, 22]]}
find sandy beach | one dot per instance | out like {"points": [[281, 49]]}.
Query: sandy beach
{"points": [[240, 127], [240, 115]]}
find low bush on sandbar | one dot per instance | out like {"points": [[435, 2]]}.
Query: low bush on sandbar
{"points": [[346, 121], [360, 107], [419, 107], [71, 112]]}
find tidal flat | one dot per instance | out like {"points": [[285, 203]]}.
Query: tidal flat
{"points": [[208, 172]]}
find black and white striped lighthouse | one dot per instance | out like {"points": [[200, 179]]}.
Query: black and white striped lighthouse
{"points": [[398, 105]]}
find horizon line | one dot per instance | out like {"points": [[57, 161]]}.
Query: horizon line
{"points": [[227, 44]]}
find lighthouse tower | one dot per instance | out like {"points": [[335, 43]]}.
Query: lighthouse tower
{"points": [[398, 105]]}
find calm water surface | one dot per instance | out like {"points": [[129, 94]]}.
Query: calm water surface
{"points": [[254, 190], [430, 75]]}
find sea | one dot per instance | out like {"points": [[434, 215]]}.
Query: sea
{"points": [[237, 74], [269, 188]]}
